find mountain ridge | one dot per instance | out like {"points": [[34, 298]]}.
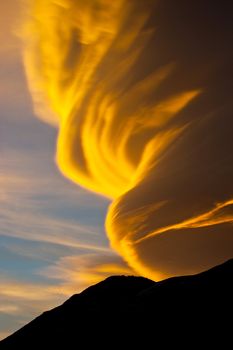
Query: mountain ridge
{"points": [[125, 305]]}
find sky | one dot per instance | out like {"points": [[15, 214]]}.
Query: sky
{"points": [[52, 240], [116, 145]]}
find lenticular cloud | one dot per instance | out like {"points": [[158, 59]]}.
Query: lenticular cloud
{"points": [[140, 93]]}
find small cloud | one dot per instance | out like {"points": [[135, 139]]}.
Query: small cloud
{"points": [[10, 309]]}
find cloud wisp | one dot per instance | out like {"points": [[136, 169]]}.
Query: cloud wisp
{"points": [[140, 93]]}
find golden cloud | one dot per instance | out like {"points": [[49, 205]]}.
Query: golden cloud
{"points": [[140, 93]]}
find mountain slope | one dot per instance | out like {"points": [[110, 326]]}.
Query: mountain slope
{"points": [[132, 308]]}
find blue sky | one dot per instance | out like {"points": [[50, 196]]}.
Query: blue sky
{"points": [[52, 239]]}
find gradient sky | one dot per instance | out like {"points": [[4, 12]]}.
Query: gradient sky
{"points": [[52, 240], [135, 103]]}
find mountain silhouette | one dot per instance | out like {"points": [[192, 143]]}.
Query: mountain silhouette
{"points": [[128, 308]]}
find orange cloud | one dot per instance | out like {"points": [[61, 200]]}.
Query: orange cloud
{"points": [[78, 272], [140, 94]]}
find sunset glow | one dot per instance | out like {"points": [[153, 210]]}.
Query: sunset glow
{"points": [[134, 117]]}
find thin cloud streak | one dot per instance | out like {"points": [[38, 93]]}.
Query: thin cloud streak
{"points": [[27, 199], [39, 228]]}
